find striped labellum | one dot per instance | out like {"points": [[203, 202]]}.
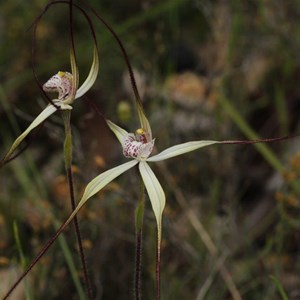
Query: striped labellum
{"points": [[137, 145], [60, 83]]}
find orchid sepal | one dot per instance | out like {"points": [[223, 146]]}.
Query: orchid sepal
{"points": [[119, 132], [99, 183], [155, 192], [144, 122], [181, 149], [103, 179], [48, 111], [90, 80], [75, 79]]}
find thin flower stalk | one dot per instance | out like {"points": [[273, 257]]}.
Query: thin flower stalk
{"points": [[66, 114], [139, 220]]}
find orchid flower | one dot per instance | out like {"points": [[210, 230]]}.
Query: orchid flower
{"points": [[138, 147], [66, 85]]}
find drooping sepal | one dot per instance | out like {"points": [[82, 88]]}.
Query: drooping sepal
{"points": [[156, 194], [101, 181], [48, 111]]}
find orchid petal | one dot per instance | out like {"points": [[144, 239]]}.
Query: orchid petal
{"points": [[48, 111], [97, 184], [156, 194], [144, 121], [102, 180], [181, 149], [75, 73], [119, 132], [90, 80]]}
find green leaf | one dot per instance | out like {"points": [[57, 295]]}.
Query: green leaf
{"points": [[181, 149], [90, 80], [117, 130], [156, 194], [280, 288], [48, 111]]}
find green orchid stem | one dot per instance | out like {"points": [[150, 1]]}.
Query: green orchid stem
{"points": [[139, 219], [66, 115]]}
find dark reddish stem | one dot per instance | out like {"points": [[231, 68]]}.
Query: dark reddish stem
{"points": [[138, 264], [158, 271], [36, 260], [270, 140], [139, 221], [34, 26], [68, 162], [3, 162], [123, 50], [79, 238]]}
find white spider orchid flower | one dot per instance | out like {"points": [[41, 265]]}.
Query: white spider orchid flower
{"points": [[66, 85], [138, 147]]}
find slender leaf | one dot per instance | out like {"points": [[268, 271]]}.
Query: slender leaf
{"points": [[280, 289]]}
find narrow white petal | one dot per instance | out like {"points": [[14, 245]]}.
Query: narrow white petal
{"points": [[90, 80], [117, 130], [181, 149], [103, 179], [48, 111], [99, 183], [75, 74], [144, 121], [156, 194]]}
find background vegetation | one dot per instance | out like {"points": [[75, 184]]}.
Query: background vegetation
{"points": [[207, 70]]}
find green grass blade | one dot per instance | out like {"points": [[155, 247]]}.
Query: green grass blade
{"points": [[280, 288], [263, 149], [28, 295]]}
